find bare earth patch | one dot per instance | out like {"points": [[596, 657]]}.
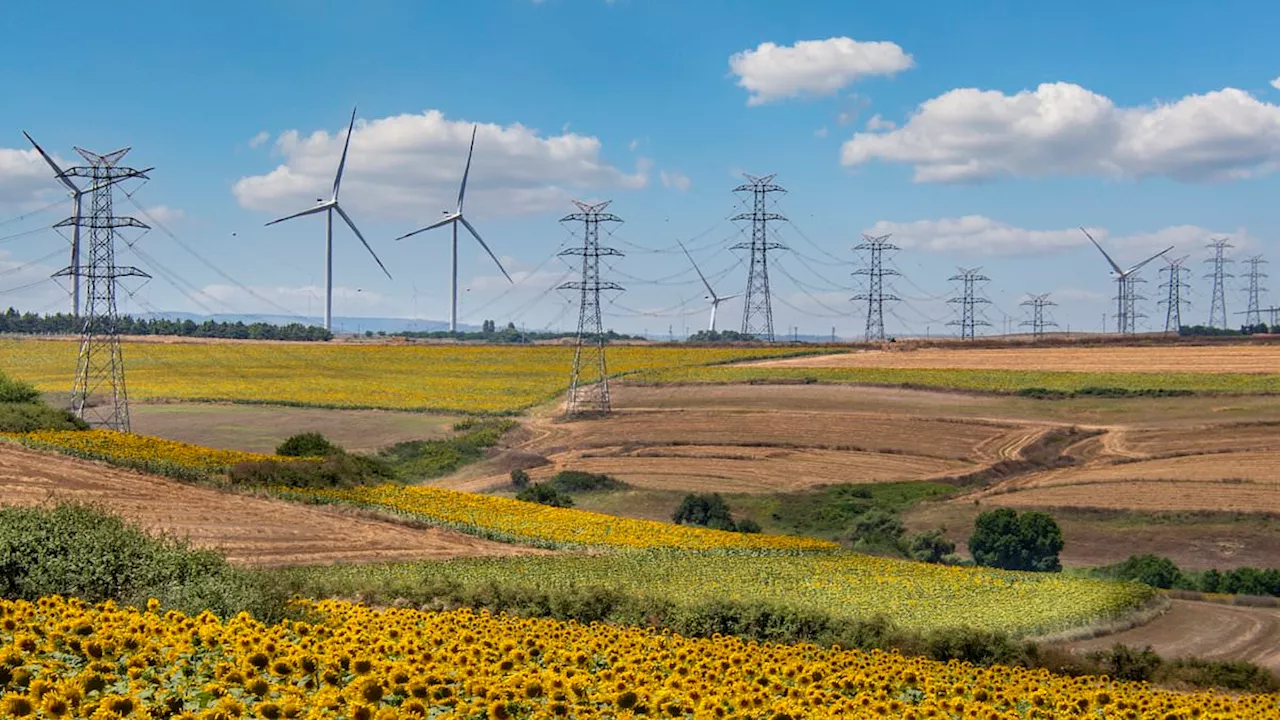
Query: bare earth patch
{"points": [[249, 530], [1182, 358]]}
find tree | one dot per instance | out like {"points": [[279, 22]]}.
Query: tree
{"points": [[707, 510], [1003, 539], [877, 529], [1150, 570], [930, 547]]}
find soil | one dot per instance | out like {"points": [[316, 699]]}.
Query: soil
{"points": [[249, 530], [1205, 630]]}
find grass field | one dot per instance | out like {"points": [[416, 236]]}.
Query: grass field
{"points": [[847, 586], [467, 379]]}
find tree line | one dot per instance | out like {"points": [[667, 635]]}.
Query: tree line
{"points": [[30, 323]]}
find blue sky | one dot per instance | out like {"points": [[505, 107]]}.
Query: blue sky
{"points": [[979, 134]]}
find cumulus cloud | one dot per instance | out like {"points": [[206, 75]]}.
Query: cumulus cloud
{"points": [[980, 235], [969, 135], [813, 67], [26, 179], [876, 123], [163, 214], [676, 180], [409, 166], [260, 139], [1276, 83]]}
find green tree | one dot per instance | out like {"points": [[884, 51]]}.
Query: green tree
{"points": [[1003, 539], [707, 510], [1150, 570], [930, 547]]}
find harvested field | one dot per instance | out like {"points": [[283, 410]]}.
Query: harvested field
{"points": [[1176, 358], [249, 530], [1226, 437], [1205, 630]]}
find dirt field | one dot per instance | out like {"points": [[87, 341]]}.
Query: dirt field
{"points": [[256, 428], [251, 531], [1182, 358], [1204, 630]]}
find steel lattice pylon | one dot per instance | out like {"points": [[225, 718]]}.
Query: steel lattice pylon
{"points": [[1218, 306], [589, 382], [99, 394], [968, 300], [875, 272], [1174, 301], [1038, 303], [1253, 315], [757, 307]]}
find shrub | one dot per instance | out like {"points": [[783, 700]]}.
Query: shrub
{"points": [[876, 531], [335, 471], [705, 509], [29, 417], [747, 525], [308, 444], [1125, 663], [577, 481], [80, 551], [16, 391], [930, 547], [545, 494], [1150, 570], [1003, 539], [427, 459], [519, 479]]}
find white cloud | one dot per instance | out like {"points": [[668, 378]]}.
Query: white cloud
{"points": [[409, 166], [1276, 83], [980, 235], [26, 179], [876, 123], [970, 135], [260, 139], [166, 215], [813, 67], [676, 180], [27, 286], [633, 145]]}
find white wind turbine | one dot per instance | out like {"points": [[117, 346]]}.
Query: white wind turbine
{"points": [[711, 293], [453, 218], [1124, 286], [76, 193], [328, 207]]}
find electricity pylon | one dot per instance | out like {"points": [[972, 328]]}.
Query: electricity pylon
{"points": [[99, 394], [968, 300], [1038, 303], [757, 308], [1174, 300], [875, 272], [1218, 307], [1253, 315], [589, 381]]}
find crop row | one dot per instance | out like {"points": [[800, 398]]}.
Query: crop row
{"points": [[142, 452], [68, 659]]}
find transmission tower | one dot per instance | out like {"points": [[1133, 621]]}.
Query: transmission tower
{"points": [[99, 395], [968, 300], [1218, 308], [589, 382], [1253, 316], [757, 309], [1038, 303], [1174, 300], [875, 272]]}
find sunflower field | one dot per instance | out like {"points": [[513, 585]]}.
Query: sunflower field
{"points": [[65, 658], [137, 451], [442, 378], [508, 520]]}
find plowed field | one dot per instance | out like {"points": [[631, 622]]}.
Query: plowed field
{"points": [[250, 530], [1182, 359]]}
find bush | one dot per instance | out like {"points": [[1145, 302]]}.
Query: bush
{"points": [[335, 471], [747, 525], [519, 479], [308, 444], [80, 551], [570, 481], [427, 459], [706, 509], [16, 391], [930, 547], [1003, 539], [1125, 663], [28, 417], [545, 494], [1151, 570], [876, 530]]}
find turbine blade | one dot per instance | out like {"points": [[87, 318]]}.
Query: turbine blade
{"points": [[310, 211], [486, 247], [695, 268], [1114, 266], [439, 223], [351, 224], [730, 297], [57, 171], [337, 179], [462, 191], [1137, 267]]}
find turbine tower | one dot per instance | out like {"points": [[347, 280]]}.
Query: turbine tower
{"points": [[711, 293], [74, 221], [757, 308], [329, 207], [453, 218], [1125, 290]]}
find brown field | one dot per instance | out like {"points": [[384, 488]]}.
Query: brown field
{"points": [[1205, 630], [249, 530], [1176, 358]]}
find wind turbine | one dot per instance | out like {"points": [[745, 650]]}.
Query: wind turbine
{"points": [[76, 193], [711, 294], [1124, 285], [328, 207], [453, 218]]}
